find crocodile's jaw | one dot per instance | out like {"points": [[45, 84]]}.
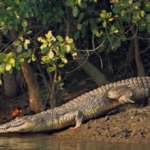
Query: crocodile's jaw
{"points": [[19, 125]]}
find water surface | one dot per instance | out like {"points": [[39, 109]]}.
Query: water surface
{"points": [[48, 142]]}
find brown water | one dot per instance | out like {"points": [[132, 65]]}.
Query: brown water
{"points": [[48, 142]]}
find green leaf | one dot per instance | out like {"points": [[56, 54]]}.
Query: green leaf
{"points": [[59, 38], [61, 65], [51, 68], [116, 44], [79, 2], [33, 58], [79, 26], [75, 11], [2, 57], [147, 6], [8, 67], [2, 68], [11, 61], [114, 29], [70, 3], [44, 50], [24, 23]]}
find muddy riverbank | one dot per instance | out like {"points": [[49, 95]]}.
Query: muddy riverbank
{"points": [[131, 125]]}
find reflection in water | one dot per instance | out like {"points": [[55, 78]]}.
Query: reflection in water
{"points": [[47, 142]]}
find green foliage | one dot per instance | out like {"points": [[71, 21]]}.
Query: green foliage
{"points": [[54, 50], [14, 15], [7, 61], [84, 21]]}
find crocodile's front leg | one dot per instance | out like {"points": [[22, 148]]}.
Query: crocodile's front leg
{"points": [[74, 118], [123, 94], [78, 117]]}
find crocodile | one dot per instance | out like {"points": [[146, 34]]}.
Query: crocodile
{"points": [[90, 105]]}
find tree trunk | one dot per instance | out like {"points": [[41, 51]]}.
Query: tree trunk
{"points": [[10, 85], [33, 88], [91, 70], [138, 61]]}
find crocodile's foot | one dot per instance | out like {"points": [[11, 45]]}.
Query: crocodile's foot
{"points": [[122, 93], [125, 99], [78, 116], [78, 119], [19, 125]]}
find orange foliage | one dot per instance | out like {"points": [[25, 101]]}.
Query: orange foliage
{"points": [[16, 112]]}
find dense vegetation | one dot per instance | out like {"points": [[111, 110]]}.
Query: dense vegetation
{"points": [[44, 36]]}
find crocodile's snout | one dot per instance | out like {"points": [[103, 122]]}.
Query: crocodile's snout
{"points": [[17, 125]]}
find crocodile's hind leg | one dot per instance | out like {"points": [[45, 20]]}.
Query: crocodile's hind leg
{"points": [[122, 93]]}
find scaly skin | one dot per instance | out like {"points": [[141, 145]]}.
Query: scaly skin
{"points": [[82, 108]]}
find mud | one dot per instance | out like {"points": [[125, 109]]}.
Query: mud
{"points": [[131, 125]]}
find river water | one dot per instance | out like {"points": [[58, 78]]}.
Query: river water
{"points": [[49, 142]]}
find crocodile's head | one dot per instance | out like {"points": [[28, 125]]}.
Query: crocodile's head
{"points": [[19, 125]]}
